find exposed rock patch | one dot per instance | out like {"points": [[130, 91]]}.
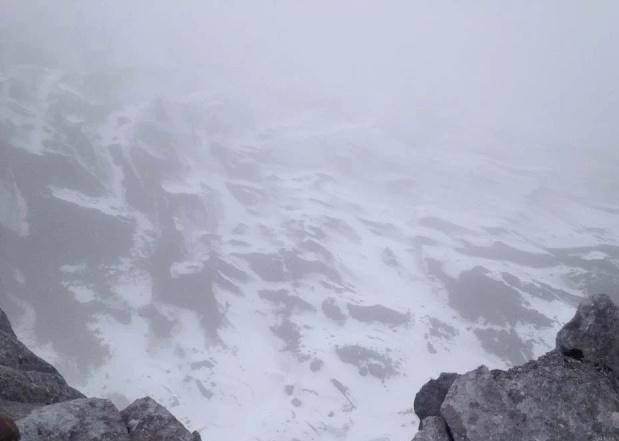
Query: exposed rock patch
{"points": [[593, 333], [430, 397], [85, 419], [46, 408], [569, 394], [148, 420]]}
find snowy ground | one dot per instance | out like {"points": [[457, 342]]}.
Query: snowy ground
{"points": [[290, 279]]}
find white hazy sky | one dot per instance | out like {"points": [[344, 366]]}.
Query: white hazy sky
{"points": [[546, 70]]}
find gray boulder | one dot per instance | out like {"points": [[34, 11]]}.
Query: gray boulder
{"points": [[554, 398], [86, 419], [431, 395], [34, 387], [569, 394], [434, 429], [148, 420], [593, 333]]}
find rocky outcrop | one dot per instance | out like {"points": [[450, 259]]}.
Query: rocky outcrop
{"points": [[27, 382], [569, 394], [431, 395], [593, 334], [46, 408], [85, 419], [148, 420]]}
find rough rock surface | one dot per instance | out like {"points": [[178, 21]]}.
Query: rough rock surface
{"points": [[593, 333], [569, 394], [48, 409], [27, 381], [431, 395], [148, 420], [434, 429], [86, 419]]}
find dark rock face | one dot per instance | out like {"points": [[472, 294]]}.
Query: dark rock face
{"points": [[147, 420], [431, 395], [27, 381], [569, 394], [47, 409], [593, 334], [86, 419], [434, 429]]}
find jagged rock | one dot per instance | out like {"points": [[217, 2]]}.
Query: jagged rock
{"points": [[554, 398], [47, 409], [431, 395], [16, 355], [5, 324], [569, 394], [34, 387], [434, 429], [85, 419], [17, 410], [27, 381], [148, 420], [593, 333]]}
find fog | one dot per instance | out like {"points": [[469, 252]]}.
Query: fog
{"points": [[298, 211], [544, 72]]}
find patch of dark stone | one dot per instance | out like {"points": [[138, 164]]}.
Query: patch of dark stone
{"points": [[378, 314], [507, 345], [202, 364], [290, 334], [317, 249], [204, 391], [193, 292], [159, 325], [240, 165], [343, 389], [342, 228], [430, 397], [503, 252], [331, 309], [316, 365], [269, 267], [389, 258], [287, 265], [382, 229], [574, 387], [301, 231], [367, 361], [287, 303], [34, 174], [422, 241], [540, 289], [45, 408], [596, 282], [246, 194], [476, 295], [443, 226], [440, 329]]}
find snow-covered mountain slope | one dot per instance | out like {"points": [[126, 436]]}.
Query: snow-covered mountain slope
{"points": [[289, 278]]}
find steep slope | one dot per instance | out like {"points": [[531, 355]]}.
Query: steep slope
{"points": [[37, 404], [303, 272]]}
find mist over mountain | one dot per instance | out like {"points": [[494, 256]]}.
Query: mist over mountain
{"points": [[281, 218]]}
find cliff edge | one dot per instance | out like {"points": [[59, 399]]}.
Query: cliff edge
{"points": [[46, 408], [569, 394]]}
